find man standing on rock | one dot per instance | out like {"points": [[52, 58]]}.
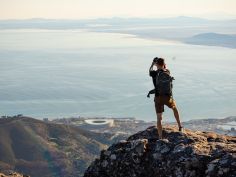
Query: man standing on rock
{"points": [[163, 92]]}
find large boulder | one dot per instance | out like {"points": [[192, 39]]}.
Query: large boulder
{"points": [[188, 154]]}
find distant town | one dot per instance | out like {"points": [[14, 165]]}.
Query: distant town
{"points": [[129, 125]]}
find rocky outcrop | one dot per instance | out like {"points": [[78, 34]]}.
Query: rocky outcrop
{"points": [[188, 154]]}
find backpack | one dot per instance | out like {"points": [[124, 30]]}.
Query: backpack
{"points": [[164, 83]]}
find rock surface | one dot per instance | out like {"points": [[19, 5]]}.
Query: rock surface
{"points": [[188, 154], [13, 174]]}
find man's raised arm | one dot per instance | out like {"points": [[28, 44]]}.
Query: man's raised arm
{"points": [[151, 68]]}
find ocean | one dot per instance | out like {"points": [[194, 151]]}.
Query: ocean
{"points": [[72, 73]]}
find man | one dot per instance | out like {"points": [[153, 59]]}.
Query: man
{"points": [[163, 96]]}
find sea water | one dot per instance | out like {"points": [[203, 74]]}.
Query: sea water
{"points": [[71, 73]]}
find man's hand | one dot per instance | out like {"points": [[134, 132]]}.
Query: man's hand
{"points": [[148, 95]]}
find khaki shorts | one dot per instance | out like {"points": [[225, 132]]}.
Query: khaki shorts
{"points": [[160, 101]]}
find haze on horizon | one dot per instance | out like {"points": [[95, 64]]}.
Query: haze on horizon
{"points": [[84, 9]]}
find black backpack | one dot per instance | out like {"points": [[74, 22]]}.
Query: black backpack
{"points": [[164, 83]]}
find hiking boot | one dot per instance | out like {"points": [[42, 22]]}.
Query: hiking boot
{"points": [[181, 129]]}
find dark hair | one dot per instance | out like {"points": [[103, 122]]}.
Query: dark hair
{"points": [[155, 59], [160, 61]]}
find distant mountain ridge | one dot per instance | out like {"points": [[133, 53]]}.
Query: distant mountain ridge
{"points": [[182, 28], [213, 39], [43, 23]]}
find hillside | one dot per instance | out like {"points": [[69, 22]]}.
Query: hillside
{"points": [[66, 147], [188, 154], [39, 148], [213, 39]]}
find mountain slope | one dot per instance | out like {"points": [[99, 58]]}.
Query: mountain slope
{"points": [[39, 148]]}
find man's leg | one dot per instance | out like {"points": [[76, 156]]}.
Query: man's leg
{"points": [[159, 126], [176, 114], [159, 106]]}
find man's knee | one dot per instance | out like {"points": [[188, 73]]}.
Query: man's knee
{"points": [[174, 108]]}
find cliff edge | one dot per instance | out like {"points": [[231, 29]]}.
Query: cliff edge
{"points": [[188, 154]]}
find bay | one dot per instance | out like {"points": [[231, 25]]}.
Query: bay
{"points": [[64, 73]]}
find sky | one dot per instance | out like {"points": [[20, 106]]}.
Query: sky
{"points": [[84, 9]]}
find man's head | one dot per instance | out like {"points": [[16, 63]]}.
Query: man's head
{"points": [[160, 63]]}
